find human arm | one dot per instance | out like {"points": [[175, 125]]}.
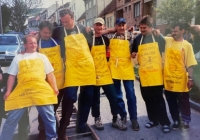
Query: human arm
{"points": [[109, 30], [10, 83], [52, 82], [190, 77]]}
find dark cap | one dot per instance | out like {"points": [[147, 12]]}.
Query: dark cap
{"points": [[120, 20]]}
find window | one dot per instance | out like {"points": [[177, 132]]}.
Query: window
{"points": [[127, 1], [125, 9], [129, 7], [86, 7], [89, 5], [137, 9], [94, 2]]}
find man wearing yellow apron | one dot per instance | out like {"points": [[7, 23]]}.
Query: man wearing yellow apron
{"points": [[31, 69], [49, 47], [149, 48], [103, 77], [178, 75], [80, 71], [122, 69]]}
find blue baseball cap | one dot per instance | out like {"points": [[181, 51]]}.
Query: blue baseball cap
{"points": [[120, 20]]}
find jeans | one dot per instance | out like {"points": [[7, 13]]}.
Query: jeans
{"points": [[85, 101], [69, 98], [111, 95], [130, 96], [59, 96], [47, 114]]}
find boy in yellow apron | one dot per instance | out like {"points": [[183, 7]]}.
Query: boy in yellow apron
{"points": [[31, 69], [79, 71], [178, 75], [148, 48], [103, 78], [51, 48], [122, 69]]}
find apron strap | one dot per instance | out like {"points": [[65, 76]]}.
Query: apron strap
{"points": [[142, 39], [93, 39], [66, 32], [39, 45], [113, 36]]}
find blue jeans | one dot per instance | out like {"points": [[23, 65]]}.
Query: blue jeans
{"points": [[47, 114], [130, 96]]}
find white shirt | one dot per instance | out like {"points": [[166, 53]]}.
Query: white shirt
{"points": [[14, 67]]}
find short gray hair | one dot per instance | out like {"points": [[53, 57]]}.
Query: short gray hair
{"points": [[64, 12]]}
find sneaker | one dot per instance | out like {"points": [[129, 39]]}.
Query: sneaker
{"points": [[185, 125], [119, 125], [150, 124], [175, 126], [124, 120], [166, 129], [135, 125], [98, 124]]}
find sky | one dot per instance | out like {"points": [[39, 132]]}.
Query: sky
{"points": [[48, 3]]}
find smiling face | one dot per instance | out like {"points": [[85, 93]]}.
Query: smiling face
{"points": [[176, 33], [67, 21], [30, 44], [120, 28], [45, 33], [145, 29], [98, 28]]}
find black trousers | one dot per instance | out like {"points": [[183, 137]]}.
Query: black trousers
{"points": [[155, 104], [179, 103]]}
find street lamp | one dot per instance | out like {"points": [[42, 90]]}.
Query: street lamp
{"points": [[1, 26]]}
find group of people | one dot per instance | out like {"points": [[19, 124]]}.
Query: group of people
{"points": [[60, 60]]}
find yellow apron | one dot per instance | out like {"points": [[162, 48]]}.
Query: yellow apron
{"points": [[150, 64], [53, 54], [80, 69], [32, 89], [175, 74], [120, 63], [103, 75]]}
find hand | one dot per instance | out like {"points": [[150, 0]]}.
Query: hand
{"points": [[56, 92], [6, 95], [1, 78], [133, 55], [156, 32], [190, 84]]}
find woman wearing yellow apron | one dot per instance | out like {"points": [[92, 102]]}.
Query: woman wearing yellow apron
{"points": [[80, 71], [122, 69], [178, 66], [103, 78], [31, 69], [148, 48]]}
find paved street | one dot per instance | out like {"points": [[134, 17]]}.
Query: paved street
{"points": [[110, 133]]}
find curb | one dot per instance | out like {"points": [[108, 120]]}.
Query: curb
{"points": [[193, 105]]}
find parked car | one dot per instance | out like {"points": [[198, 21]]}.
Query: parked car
{"points": [[21, 35], [10, 45]]}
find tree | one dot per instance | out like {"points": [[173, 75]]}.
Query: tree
{"points": [[6, 16], [20, 10], [170, 11]]}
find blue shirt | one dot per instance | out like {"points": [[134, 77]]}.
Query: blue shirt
{"points": [[48, 43]]}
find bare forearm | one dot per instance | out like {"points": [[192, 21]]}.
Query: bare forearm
{"points": [[52, 81], [10, 82], [190, 72], [109, 30]]}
